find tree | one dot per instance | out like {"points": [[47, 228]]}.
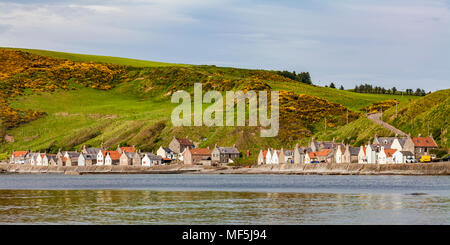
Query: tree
{"points": [[394, 90], [304, 77], [418, 91], [341, 88], [332, 85]]}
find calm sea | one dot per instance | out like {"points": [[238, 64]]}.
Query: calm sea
{"points": [[224, 199]]}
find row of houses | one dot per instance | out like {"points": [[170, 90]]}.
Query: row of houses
{"points": [[186, 151], [88, 156], [180, 150], [382, 150]]}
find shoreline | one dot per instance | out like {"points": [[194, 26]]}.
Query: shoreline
{"points": [[436, 168]]}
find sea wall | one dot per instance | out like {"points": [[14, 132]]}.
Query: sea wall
{"points": [[76, 170], [437, 168]]}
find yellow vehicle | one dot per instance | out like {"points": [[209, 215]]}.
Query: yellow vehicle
{"points": [[425, 159]]}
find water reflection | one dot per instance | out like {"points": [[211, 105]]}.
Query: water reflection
{"points": [[216, 207]]}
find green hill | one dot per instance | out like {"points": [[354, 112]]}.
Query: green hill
{"points": [[425, 116], [95, 58], [92, 99]]}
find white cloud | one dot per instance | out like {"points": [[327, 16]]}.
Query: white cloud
{"points": [[97, 8]]}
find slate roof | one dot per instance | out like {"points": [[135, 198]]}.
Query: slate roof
{"points": [[90, 156], [385, 140], [288, 152], [228, 150], [130, 154], [407, 153], [92, 150], [52, 156], [168, 150], [72, 154], [402, 140], [151, 156]]}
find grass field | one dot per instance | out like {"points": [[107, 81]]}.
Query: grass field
{"points": [[427, 115], [97, 58], [352, 100]]}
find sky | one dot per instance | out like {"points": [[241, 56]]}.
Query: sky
{"points": [[401, 43]]}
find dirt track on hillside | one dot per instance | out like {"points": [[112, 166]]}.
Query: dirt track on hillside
{"points": [[376, 117]]}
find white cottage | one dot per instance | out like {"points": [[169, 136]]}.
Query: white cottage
{"points": [[261, 157], [165, 153], [371, 153], [150, 159], [269, 156], [275, 159], [385, 156], [403, 157], [100, 158], [339, 155], [362, 158]]}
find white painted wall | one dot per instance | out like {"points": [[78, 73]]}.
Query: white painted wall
{"points": [[100, 158]]}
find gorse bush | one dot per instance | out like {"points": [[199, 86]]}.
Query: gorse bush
{"points": [[300, 114], [22, 70], [380, 106]]}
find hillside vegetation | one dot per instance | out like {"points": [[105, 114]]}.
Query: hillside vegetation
{"points": [[96, 58], [84, 102], [427, 115]]}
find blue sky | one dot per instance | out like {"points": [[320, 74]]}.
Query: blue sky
{"points": [[388, 43]]}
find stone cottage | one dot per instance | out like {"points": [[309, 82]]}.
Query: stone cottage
{"points": [[224, 155], [199, 156], [423, 145], [178, 145]]}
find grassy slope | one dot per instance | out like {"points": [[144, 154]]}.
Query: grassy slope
{"points": [[92, 116], [427, 115], [97, 58], [354, 101]]}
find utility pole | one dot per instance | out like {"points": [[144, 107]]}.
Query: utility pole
{"points": [[347, 115], [396, 110]]}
